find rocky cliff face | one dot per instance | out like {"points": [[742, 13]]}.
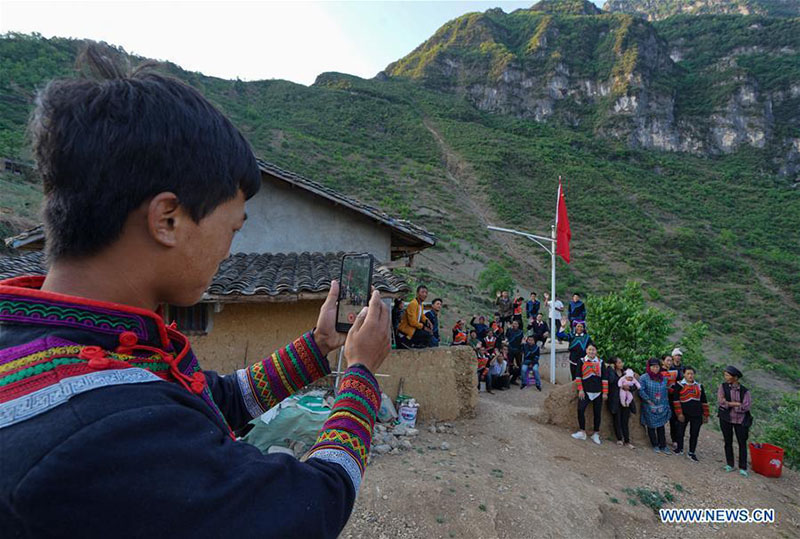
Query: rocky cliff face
{"points": [[616, 74]]}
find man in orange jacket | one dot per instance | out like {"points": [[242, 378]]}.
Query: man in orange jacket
{"points": [[414, 327]]}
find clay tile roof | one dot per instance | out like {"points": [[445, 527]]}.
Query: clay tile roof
{"points": [[252, 276], [416, 234], [28, 264], [275, 274]]}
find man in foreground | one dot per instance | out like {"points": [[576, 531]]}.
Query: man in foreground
{"points": [[108, 425]]}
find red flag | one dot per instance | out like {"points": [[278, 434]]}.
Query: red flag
{"points": [[563, 232]]}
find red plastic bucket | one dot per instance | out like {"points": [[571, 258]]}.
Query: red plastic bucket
{"points": [[766, 459]]}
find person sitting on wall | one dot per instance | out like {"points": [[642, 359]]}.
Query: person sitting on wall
{"points": [[433, 317], [539, 329], [109, 426], [414, 327]]}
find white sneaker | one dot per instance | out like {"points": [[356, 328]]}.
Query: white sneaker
{"points": [[580, 435], [595, 438]]}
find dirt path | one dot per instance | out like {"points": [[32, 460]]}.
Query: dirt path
{"points": [[505, 475], [459, 172]]}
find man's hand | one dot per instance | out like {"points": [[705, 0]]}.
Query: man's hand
{"points": [[605, 396], [581, 395], [705, 419], [682, 418], [368, 341], [326, 336]]}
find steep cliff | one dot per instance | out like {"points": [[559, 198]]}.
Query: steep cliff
{"points": [[706, 84]]}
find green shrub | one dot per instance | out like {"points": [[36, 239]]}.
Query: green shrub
{"points": [[784, 430], [622, 325]]}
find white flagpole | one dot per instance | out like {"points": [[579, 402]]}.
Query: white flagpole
{"points": [[553, 290]]}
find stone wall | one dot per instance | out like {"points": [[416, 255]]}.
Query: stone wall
{"points": [[443, 380]]}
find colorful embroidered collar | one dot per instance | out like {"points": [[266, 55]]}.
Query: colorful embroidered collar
{"points": [[71, 345]]}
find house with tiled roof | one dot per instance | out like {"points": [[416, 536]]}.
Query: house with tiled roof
{"points": [[270, 289]]}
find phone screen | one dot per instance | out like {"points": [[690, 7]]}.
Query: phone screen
{"points": [[354, 289]]}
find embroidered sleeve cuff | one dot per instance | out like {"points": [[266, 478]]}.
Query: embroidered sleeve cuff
{"points": [[677, 406], [580, 384], [705, 409], [266, 383], [347, 434], [605, 387]]}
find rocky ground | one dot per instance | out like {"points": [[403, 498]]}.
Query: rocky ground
{"points": [[508, 474]]}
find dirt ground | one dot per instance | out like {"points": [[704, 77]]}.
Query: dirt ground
{"points": [[507, 474]]}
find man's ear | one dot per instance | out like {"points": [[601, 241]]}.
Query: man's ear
{"points": [[164, 215]]}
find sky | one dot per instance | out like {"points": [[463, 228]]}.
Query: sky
{"points": [[251, 40]]}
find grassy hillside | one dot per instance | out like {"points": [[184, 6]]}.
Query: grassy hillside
{"points": [[712, 239]]}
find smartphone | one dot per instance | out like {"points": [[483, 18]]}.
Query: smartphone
{"points": [[355, 282]]}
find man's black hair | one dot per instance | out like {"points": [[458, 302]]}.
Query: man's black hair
{"points": [[689, 368], [576, 294], [437, 299], [533, 293], [106, 144], [420, 287]]}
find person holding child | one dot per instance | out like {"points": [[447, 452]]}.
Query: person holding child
{"points": [[620, 414], [628, 383]]}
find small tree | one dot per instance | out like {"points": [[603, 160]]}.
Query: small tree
{"points": [[495, 278], [622, 325]]}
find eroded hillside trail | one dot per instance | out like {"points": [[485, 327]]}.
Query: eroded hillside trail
{"points": [[506, 474], [460, 174]]}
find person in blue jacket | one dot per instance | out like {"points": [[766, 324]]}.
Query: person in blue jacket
{"points": [[532, 307], [576, 310], [109, 426], [530, 362]]}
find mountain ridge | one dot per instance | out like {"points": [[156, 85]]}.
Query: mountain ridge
{"points": [[700, 232]]}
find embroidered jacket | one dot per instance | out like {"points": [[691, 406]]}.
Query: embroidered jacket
{"points": [[689, 399], [577, 345], [110, 428], [593, 378]]}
